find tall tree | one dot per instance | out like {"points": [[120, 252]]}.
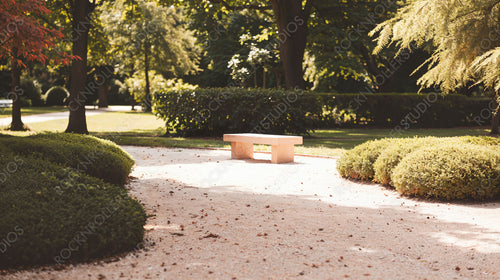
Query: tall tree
{"points": [[466, 40], [155, 38], [81, 11], [23, 38], [291, 18]]}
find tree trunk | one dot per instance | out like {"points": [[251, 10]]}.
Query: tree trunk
{"points": [[103, 94], [495, 119], [277, 74], [147, 98], [255, 69], [103, 81], [17, 123], [264, 72], [291, 20], [81, 26]]}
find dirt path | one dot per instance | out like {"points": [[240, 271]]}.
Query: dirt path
{"points": [[217, 218]]}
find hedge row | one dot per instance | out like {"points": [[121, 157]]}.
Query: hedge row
{"points": [[442, 168], [404, 111], [217, 111], [53, 213], [212, 112]]}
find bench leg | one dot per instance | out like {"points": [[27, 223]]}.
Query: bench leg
{"points": [[241, 150], [282, 153]]}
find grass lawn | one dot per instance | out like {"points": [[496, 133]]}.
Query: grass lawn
{"points": [[7, 112], [142, 129]]}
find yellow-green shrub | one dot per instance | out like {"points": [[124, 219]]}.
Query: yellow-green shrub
{"points": [[358, 162], [390, 157], [449, 171]]}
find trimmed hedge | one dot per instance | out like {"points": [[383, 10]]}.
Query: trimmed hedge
{"points": [[55, 214], [435, 168], [98, 158], [402, 111], [52, 214], [358, 162], [213, 112], [449, 171], [390, 157]]}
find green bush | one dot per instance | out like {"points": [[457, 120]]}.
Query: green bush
{"points": [[31, 92], [358, 162], [213, 112], [53, 214], [87, 140], [56, 96], [98, 158], [390, 157], [450, 171], [444, 168], [401, 111]]}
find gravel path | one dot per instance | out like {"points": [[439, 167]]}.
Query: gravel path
{"points": [[217, 218]]}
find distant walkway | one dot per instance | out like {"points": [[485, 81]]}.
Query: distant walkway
{"points": [[90, 111]]}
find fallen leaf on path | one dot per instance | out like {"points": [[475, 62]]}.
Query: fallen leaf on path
{"points": [[210, 235]]}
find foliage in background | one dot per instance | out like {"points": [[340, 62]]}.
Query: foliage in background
{"points": [[216, 111], [466, 40], [31, 92], [212, 112], [465, 35], [56, 96], [154, 38], [403, 111]]}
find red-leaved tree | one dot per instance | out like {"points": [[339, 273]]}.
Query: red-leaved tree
{"points": [[23, 38]]}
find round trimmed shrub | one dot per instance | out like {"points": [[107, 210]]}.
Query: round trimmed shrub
{"points": [[56, 96], [450, 171], [358, 162], [53, 214], [85, 139], [86, 154], [390, 157]]}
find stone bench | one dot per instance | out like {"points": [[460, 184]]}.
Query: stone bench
{"points": [[5, 103], [282, 145]]}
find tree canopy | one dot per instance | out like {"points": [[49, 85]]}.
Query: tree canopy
{"points": [[465, 36], [146, 36], [23, 38]]}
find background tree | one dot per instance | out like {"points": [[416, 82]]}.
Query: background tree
{"points": [[23, 38], [290, 18], [146, 36], [337, 54], [466, 37]]}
